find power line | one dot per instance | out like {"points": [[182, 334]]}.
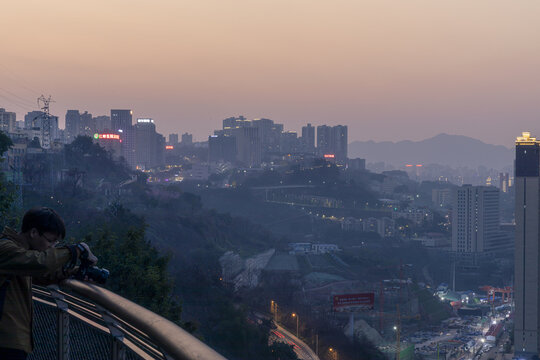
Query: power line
{"points": [[15, 102], [19, 98], [18, 79]]}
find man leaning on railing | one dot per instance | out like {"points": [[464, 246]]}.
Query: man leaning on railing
{"points": [[26, 257]]}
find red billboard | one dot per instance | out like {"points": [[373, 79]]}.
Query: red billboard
{"points": [[362, 300]]}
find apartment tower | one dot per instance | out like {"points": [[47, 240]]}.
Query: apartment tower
{"points": [[526, 269]]}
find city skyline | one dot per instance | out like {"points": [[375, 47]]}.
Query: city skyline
{"points": [[388, 70]]}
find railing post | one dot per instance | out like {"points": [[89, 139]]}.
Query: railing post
{"points": [[62, 324], [118, 350]]}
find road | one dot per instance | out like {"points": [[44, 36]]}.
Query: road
{"points": [[302, 350]]}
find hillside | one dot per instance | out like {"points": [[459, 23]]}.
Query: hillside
{"points": [[443, 149]]}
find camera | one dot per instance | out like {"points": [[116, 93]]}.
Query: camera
{"points": [[87, 271]]}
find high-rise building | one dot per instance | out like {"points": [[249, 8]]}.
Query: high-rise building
{"points": [[187, 139], [102, 123], [504, 182], [527, 256], [324, 140], [356, 164], [308, 138], [121, 123], [476, 224], [235, 122], [222, 148], [73, 124], [173, 139], [121, 119], [289, 142], [87, 125], [339, 142], [269, 134], [248, 146], [32, 119], [7, 121], [150, 144], [332, 141], [35, 121]]}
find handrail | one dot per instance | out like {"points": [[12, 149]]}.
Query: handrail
{"points": [[175, 341]]}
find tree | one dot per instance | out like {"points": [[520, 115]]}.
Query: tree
{"points": [[138, 271], [5, 143]]}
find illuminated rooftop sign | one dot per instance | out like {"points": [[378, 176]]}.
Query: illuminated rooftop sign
{"points": [[169, 147], [107, 136], [329, 156], [525, 139], [145, 120]]}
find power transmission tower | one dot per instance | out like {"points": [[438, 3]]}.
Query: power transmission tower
{"points": [[43, 104]]}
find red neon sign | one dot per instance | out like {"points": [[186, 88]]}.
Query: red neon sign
{"points": [[109, 136], [329, 156], [169, 147]]}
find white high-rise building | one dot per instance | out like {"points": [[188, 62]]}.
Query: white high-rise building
{"points": [[7, 121], [527, 257], [475, 222]]}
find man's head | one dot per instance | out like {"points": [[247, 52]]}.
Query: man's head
{"points": [[42, 228]]}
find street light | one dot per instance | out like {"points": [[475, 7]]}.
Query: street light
{"points": [[334, 353], [273, 309], [294, 315]]}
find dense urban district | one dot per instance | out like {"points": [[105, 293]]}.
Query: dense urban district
{"points": [[270, 245]]}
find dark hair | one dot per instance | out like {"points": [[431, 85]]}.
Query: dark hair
{"points": [[44, 220]]}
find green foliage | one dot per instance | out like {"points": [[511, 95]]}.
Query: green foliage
{"points": [[433, 311], [85, 156], [5, 142], [7, 189], [223, 324], [138, 271], [282, 351]]}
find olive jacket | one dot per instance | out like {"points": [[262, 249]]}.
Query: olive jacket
{"points": [[18, 265]]}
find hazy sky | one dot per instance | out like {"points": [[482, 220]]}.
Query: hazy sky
{"points": [[390, 70]]}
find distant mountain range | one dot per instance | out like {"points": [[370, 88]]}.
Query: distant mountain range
{"points": [[443, 149]]}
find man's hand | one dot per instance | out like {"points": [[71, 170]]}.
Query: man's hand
{"points": [[87, 254]]}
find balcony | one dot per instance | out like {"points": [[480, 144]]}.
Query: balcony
{"points": [[85, 321]]}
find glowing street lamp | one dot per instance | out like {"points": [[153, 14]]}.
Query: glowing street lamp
{"points": [[273, 309], [294, 315], [334, 353]]}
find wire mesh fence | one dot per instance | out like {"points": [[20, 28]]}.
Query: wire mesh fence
{"points": [[83, 331]]}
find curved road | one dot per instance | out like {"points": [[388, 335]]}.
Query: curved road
{"points": [[301, 349]]}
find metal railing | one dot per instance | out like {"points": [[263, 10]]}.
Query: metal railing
{"points": [[90, 322]]}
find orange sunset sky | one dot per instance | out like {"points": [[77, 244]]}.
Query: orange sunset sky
{"points": [[390, 70]]}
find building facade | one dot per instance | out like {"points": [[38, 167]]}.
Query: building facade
{"points": [[187, 139], [476, 223], [73, 124], [308, 139], [122, 123], [7, 121], [527, 257], [222, 148], [150, 145]]}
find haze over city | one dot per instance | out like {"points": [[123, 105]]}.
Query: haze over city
{"points": [[390, 70], [270, 180]]}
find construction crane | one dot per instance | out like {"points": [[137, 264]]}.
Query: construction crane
{"points": [[398, 329]]}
